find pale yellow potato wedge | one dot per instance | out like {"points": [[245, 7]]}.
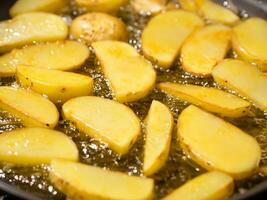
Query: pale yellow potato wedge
{"points": [[216, 144], [96, 26], [32, 109], [25, 6], [249, 41], [210, 99], [205, 48], [57, 85], [67, 55], [148, 6], [165, 33], [159, 124], [244, 78], [211, 185], [32, 146], [105, 120], [80, 181], [31, 27], [189, 5], [130, 76], [100, 5]]}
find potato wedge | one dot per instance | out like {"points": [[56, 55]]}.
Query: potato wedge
{"points": [[67, 55], [25, 6], [100, 5], [104, 119], [32, 109], [67, 85], [92, 27], [205, 48], [189, 5], [165, 33], [244, 78], [130, 76], [217, 145], [211, 185], [210, 99], [159, 124], [249, 41], [31, 27], [80, 181], [32, 146], [148, 6]]}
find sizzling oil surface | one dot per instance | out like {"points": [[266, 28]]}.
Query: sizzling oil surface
{"points": [[178, 168]]}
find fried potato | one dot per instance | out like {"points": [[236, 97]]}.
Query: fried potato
{"points": [[217, 145], [130, 76], [165, 33], [31, 27], [32, 146], [189, 5], [148, 6]]}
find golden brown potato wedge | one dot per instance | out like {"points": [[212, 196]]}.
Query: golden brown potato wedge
{"points": [[205, 48], [217, 145], [210, 99], [31, 146], [31, 27], [165, 33], [148, 6], [244, 78]]}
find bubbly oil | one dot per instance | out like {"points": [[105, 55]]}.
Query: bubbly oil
{"points": [[178, 168]]}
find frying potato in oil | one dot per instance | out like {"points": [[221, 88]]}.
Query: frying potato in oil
{"points": [[216, 144], [32, 146], [250, 41], [210, 185], [67, 55], [31, 27], [148, 6], [80, 181], [189, 5], [130, 76], [57, 85], [159, 124], [243, 78], [105, 120], [211, 99], [165, 33], [205, 48]]}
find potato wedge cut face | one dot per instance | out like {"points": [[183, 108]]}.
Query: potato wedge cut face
{"points": [[148, 6], [165, 33], [217, 145], [244, 78], [29, 27], [211, 185], [31, 146], [130, 76], [32, 109], [205, 48], [159, 124], [80, 181], [100, 5], [210, 99], [105, 120], [65, 86]]}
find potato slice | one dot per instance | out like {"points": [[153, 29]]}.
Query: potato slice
{"points": [[24, 6], [159, 124], [244, 78], [31, 108], [104, 119], [211, 185], [32, 146], [92, 27], [31, 27], [80, 181], [205, 48], [217, 145], [249, 41], [59, 55], [165, 33], [67, 85], [130, 76], [148, 6], [189, 5], [210, 99]]}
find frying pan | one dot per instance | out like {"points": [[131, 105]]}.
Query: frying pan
{"points": [[251, 7]]}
